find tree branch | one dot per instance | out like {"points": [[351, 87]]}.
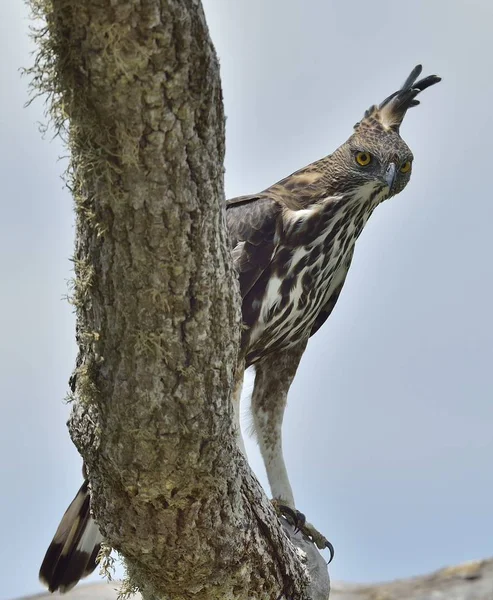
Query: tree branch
{"points": [[136, 86]]}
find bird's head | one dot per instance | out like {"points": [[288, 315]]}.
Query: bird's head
{"points": [[375, 155]]}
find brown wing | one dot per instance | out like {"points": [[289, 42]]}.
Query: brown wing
{"points": [[324, 314], [303, 187], [252, 225], [254, 222]]}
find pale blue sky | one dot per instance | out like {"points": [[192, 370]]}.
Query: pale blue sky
{"points": [[389, 429]]}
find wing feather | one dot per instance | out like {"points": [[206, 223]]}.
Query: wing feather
{"points": [[252, 225], [255, 221]]}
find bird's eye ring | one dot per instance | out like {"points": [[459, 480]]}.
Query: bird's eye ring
{"points": [[405, 167], [363, 159]]}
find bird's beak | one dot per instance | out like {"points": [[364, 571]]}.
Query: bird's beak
{"points": [[390, 175]]}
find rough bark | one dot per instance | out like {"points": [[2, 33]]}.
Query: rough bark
{"points": [[135, 84]]}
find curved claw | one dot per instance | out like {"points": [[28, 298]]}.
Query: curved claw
{"points": [[300, 521], [297, 518], [331, 550]]}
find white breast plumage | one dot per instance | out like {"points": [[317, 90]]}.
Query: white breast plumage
{"points": [[299, 287]]}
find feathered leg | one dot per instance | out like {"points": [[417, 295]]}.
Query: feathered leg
{"points": [[273, 377], [73, 551]]}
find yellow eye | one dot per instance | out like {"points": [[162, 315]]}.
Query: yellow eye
{"points": [[363, 159], [406, 167]]}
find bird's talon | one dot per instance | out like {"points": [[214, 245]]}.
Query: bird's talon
{"points": [[298, 521], [331, 550], [318, 539], [285, 511], [296, 518]]}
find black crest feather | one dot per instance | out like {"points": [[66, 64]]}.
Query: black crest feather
{"points": [[390, 113]]}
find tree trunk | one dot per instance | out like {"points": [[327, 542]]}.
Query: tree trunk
{"points": [[136, 87]]}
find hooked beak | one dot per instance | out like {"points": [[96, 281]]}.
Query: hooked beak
{"points": [[390, 175]]}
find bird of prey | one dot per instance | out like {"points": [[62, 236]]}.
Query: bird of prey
{"points": [[292, 247]]}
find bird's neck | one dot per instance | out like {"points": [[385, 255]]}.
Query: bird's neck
{"points": [[332, 215]]}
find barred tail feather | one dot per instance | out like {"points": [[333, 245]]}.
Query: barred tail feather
{"points": [[74, 549]]}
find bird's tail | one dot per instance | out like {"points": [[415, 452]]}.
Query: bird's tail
{"points": [[73, 551]]}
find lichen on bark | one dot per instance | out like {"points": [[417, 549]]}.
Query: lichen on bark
{"points": [[134, 87]]}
